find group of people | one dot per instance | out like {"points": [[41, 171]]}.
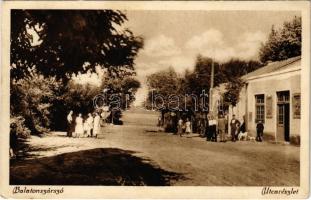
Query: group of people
{"points": [[213, 128], [184, 127], [216, 129], [78, 126]]}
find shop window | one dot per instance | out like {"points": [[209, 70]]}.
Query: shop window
{"points": [[260, 108]]}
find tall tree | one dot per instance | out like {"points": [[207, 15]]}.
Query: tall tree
{"points": [[60, 42], [49, 46], [282, 43], [163, 83]]}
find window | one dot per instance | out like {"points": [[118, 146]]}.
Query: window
{"points": [[296, 105], [283, 97], [260, 108], [281, 115]]}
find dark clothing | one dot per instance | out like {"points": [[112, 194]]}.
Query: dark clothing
{"points": [[234, 127], [242, 128], [213, 133], [13, 139], [226, 124], [71, 126], [205, 128], [260, 128]]}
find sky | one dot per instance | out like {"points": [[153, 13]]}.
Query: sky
{"points": [[175, 38]]}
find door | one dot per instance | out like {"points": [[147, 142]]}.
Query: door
{"points": [[280, 123], [286, 122], [283, 114]]}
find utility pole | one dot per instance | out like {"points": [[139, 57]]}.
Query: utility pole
{"points": [[211, 89]]}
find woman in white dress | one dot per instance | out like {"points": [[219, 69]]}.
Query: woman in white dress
{"points": [[89, 125], [96, 125], [79, 126]]}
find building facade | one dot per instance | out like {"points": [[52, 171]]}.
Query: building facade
{"points": [[272, 95]]}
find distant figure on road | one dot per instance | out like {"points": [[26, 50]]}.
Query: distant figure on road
{"points": [[70, 124], [222, 128], [188, 126], [180, 127], [233, 125], [159, 121], [79, 126], [96, 124], [260, 127]]}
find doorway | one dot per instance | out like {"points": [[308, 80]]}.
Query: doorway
{"points": [[283, 116]]}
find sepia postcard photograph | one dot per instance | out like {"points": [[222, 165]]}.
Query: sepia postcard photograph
{"points": [[155, 99]]}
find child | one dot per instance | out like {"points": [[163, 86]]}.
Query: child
{"points": [[260, 127]]}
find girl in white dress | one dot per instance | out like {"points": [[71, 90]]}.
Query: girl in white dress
{"points": [[79, 126], [188, 126], [96, 124]]}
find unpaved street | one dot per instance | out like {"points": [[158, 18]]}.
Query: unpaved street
{"points": [[192, 159]]}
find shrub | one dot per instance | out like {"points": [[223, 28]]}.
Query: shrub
{"points": [[19, 123], [32, 99]]}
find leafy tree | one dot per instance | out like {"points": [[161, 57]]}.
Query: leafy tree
{"points": [[67, 39], [121, 89], [232, 94], [235, 68], [49, 46], [163, 83], [282, 43]]}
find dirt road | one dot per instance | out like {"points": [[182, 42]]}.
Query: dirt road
{"points": [[196, 161]]}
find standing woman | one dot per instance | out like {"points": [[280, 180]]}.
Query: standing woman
{"points": [[69, 124], [79, 126], [96, 124], [89, 125]]}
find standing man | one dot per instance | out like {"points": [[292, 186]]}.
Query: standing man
{"points": [[214, 129], [70, 123], [222, 128], [260, 127], [233, 125], [210, 130], [226, 122], [206, 125]]}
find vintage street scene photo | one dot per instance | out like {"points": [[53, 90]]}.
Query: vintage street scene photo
{"points": [[124, 97]]}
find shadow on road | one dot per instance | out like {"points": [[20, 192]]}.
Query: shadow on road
{"points": [[101, 166]]}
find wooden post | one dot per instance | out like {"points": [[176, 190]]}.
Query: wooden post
{"points": [[211, 89]]}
